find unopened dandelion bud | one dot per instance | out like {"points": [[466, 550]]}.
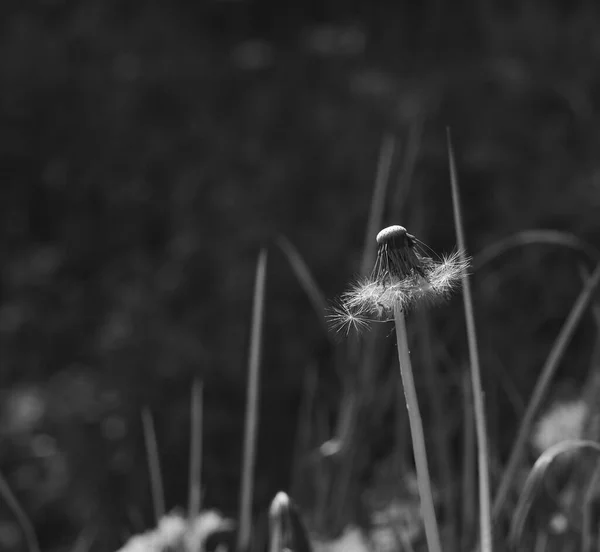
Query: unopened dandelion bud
{"points": [[287, 532]]}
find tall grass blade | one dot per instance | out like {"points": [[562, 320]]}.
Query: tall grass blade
{"points": [[195, 477], [443, 456], [156, 483], [22, 519], [468, 498], [535, 479], [252, 404], [591, 429], [485, 516], [541, 387]]}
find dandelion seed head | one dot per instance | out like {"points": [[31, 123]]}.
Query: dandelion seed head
{"points": [[403, 276], [344, 320]]}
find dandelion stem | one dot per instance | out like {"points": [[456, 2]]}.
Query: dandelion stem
{"points": [[418, 437], [485, 509]]}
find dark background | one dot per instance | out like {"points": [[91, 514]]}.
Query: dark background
{"points": [[149, 149]]}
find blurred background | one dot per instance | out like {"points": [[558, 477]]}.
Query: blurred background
{"points": [[148, 150]]}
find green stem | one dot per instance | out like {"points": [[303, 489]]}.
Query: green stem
{"points": [[418, 438]]}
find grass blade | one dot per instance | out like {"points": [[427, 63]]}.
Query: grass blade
{"points": [[541, 387], [195, 477], [156, 483], [535, 479], [252, 403], [535, 237], [468, 464], [485, 516], [23, 520]]}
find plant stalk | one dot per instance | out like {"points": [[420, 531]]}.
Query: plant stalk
{"points": [[432, 533]]}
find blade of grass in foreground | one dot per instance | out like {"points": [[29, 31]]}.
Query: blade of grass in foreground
{"points": [[26, 526], [252, 402], [541, 387], [468, 464], [485, 516], [534, 481], [195, 478], [590, 396], [156, 483]]}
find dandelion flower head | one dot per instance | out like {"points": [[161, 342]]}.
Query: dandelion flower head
{"points": [[404, 275]]}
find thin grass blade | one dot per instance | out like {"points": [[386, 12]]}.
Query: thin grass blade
{"points": [[252, 404], [535, 237], [485, 516], [535, 480], [195, 477], [156, 482]]}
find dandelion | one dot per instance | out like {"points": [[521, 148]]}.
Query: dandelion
{"points": [[403, 276]]}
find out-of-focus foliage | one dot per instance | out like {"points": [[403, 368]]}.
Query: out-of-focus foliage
{"points": [[147, 150]]}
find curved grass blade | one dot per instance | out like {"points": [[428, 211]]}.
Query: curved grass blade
{"points": [[535, 479], [535, 237], [23, 520]]}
